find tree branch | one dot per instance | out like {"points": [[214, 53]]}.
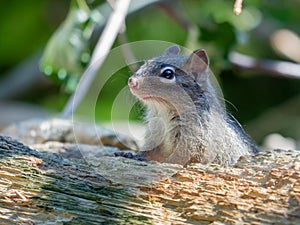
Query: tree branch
{"points": [[101, 50], [237, 8], [122, 39], [270, 67]]}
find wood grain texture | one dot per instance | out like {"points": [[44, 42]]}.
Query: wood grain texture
{"points": [[58, 188]]}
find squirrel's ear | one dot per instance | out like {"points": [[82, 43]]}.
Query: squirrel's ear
{"points": [[172, 50], [198, 64]]}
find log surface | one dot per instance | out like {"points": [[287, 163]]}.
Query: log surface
{"points": [[62, 186]]}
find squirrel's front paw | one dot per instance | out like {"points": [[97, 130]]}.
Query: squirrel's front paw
{"points": [[130, 155]]}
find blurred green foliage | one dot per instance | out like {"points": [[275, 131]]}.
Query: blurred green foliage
{"points": [[26, 27], [68, 51]]}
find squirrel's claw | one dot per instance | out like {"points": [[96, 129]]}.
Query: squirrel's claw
{"points": [[130, 155]]}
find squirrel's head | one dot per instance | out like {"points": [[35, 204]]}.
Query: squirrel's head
{"points": [[171, 80]]}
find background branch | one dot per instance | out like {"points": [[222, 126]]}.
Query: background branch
{"points": [[238, 6], [101, 50], [268, 67], [123, 40]]}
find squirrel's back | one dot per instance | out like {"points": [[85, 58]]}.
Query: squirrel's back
{"points": [[186, 120]]}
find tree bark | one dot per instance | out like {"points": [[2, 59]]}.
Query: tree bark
{"points": [[66, 187]]}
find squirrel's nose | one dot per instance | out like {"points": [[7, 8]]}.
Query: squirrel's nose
{"points": [[132, 82]]}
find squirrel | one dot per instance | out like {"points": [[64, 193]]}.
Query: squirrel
{"points": [[186, 120]]}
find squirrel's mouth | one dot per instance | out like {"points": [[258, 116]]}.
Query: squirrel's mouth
{"points": [[149, 98], [152, 98], [155, 99]]}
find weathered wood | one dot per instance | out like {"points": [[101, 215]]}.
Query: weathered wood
{"points": [[37, 131], [66, 186], [39, 187]]}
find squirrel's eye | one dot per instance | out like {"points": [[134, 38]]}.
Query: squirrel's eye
{"points": [[168, 73]]}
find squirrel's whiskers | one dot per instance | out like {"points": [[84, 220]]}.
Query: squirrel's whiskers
{"points": [[187, 122]]}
